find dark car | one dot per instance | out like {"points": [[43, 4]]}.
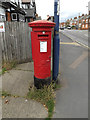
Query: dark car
{"points": [[62, 28]]}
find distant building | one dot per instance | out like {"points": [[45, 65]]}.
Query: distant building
{"points": [[62, 24], [30, 8], [89, 16], [84, 25], [38, 17], [50, 18], [81, 23]]}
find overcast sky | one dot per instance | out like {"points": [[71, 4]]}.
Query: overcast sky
{"points": [[68, 8]]}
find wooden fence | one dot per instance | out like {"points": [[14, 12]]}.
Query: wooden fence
{"points": [[16, 42]]}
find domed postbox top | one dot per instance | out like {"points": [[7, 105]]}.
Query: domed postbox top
{"points": [[41, 23]]}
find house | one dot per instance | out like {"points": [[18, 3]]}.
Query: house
{"points": [[50, 18], [2, 13], [80, 22], [12, 11], [85, 22], [38, 17], [30, 8], [62, 25], [71, 22], [89, 16]]}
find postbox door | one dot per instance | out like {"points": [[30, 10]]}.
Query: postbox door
{"points": [[42, 57]]}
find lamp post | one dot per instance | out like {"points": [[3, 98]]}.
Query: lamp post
{"points": [[56, 41]]}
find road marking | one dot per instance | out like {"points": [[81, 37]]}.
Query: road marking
{"points": [[86, 35], [77, 41], [71, 43], [83, 44], [79, 60]]}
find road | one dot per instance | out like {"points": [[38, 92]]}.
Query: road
{"points": [[72, 98], [80, 36]]}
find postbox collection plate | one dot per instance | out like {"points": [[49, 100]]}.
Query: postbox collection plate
{"points": [[43, 46]]}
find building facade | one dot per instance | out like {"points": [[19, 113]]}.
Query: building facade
{"points": [[80, 22], [30, 8], [11, 11]]}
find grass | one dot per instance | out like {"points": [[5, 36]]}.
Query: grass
{"points": [[45, 96], [5, 94], [3, 71], [8, 66]]}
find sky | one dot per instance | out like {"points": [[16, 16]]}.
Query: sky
{"points": [[68, 8]]}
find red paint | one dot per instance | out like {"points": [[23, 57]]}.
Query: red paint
{"points": [[42, 60]]}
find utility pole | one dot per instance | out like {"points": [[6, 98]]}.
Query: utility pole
{"points": [[56, 41]]}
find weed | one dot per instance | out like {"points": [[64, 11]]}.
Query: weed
{"points": [[3, 71], [45, 95], [7, 66], [5, 94], [56, 86]]}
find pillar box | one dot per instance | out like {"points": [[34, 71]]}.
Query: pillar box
{"points": [[41, 51]]}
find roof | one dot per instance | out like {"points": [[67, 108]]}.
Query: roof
{"points": [[29, 12], [5, 0], [26, 1], [7, 4]]}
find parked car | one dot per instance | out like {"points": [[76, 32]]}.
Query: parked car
{"points": [[69, 28], [62, 28]]}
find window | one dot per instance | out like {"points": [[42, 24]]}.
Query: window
{"points": [[86, 26], [82, 26], [86, 20], [14, 16], [2, 18], [26, 6], [79, 24]]}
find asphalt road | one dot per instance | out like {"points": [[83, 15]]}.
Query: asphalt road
{"points": [[80, 36], [72, 98]]}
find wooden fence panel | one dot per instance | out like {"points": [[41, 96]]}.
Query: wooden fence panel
{"points": [[16, 42]]}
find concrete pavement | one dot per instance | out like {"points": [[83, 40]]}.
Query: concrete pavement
{"points": [[72, 98], [17, 82]]}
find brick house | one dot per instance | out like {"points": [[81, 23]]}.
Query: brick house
{"points": [[81, 22], [62, 24], [84, 22]]}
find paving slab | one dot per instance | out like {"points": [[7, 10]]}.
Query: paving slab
{"points": [[22, 108], [17, 82], [26, 66]]}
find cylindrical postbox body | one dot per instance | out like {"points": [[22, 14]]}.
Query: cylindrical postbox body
{"points": [[41, 51]]}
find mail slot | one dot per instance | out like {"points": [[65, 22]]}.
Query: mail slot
{"points": [[40, 36], [41, 51]]}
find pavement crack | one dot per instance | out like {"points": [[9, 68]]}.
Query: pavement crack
{"points": [[24, 70]]}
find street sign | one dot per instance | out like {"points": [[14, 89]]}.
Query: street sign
{"points": [[43, 46], [2, 27]]}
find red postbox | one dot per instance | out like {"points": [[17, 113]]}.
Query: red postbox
{"points": [[41, 51]]}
